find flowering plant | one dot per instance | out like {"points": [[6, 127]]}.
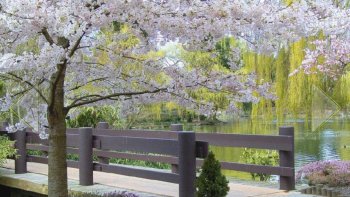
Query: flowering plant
{"points": [[331, 173]]}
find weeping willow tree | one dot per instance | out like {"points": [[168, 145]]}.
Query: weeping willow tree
{"points": [[341, 93], [281, 82], [209, 63], [294, 93], [299, 90], [262, 65]]}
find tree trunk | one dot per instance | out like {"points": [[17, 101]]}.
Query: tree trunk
{"points": [[57, 156], [57, 135]]}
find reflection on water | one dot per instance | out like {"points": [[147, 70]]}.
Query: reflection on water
{"points": [[329, 143]]}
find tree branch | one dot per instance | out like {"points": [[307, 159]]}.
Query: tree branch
{"points": [[80, 101], [93, 80], [47, 36], [76, 45], [21, 92], [20, 79]]}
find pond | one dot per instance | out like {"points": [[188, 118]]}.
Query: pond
{"points": [[330, 142]]}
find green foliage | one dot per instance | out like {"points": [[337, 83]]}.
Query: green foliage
{"points": [[223, 48], [36, 153], [211, 182], [117, 26], [111, 114], [2, 88], [110, 194], [6, 149], [91, 116], [148, 164], [260, 157]]}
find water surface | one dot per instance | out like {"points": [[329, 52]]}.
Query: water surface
{"points": [[330, 142]]}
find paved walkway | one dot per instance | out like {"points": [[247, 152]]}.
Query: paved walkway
{"points": [[152, 187]]}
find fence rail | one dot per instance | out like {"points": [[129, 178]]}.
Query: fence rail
{"points": [[183, 150]]}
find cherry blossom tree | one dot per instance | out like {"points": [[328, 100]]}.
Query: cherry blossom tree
{"points": [[330, 56], [52, 51]]}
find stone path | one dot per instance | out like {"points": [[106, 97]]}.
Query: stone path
{"points": [[108, 182]]}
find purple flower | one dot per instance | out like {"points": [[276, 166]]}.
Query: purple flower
{"points": [[333, 170]]}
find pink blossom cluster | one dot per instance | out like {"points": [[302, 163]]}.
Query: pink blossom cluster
{"points": [[332, 166], [330, 56]]}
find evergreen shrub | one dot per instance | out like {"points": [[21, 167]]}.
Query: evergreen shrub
{"points": [[211, 182]]}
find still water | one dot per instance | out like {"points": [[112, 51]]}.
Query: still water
{"points": [[330, 142]]}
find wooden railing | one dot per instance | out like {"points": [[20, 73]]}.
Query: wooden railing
{"points": [[183, 150]]}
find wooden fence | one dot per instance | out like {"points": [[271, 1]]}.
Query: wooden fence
{"points": [[183, 150]]}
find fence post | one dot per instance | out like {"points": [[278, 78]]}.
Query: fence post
{"points": [[187, 164], [4, 125], [103, 125], [287, 160], [85, 156], [20, 145], [175, 127]]}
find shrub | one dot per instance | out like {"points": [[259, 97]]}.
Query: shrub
{"points": [[331, 173], [91, 116], [6, 149], [211, 182], [88, 117], [260, 157]]}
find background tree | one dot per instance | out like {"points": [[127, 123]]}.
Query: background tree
{"points": [[63, 69]]}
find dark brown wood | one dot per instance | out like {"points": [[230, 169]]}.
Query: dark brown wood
{"points": [[216, 139], [37, 159], [73, 131], [73, 140], [41, 147], [33, 138], [21, 152], [102, 125], [44, 160], [72, 164], [85, 157], [137, 133], [142, 145], [164, 147], [138, 172], [175, 128], [287, 160], [187, 164], [202, 149]]}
